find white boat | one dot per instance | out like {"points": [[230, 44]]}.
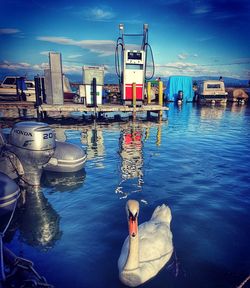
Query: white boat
{"points": [[212, 91], [9, 90]]}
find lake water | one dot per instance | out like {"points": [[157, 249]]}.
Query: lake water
{"points": [[197, 162]]}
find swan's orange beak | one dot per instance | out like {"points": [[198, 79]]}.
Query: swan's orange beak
{"points": [[133, 226]]}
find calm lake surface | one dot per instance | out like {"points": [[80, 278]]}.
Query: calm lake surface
{"points": [[197, 162]]}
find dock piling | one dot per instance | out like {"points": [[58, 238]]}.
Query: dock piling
{"points": [[149, 92], [160, 99]]}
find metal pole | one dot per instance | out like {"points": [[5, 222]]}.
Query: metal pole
{"points": [[134, 99]]}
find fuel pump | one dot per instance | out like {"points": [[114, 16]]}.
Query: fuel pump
{"points": [[131, 66]]}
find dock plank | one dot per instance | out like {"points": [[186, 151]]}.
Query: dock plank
{"points": [[101, 108]]}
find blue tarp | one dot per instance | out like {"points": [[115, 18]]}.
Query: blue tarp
{"points": [[177, 83]]}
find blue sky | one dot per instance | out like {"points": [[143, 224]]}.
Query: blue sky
{"points": [[193, 38]]}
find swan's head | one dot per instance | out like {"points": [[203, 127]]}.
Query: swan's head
{"points": [[132, 210]]}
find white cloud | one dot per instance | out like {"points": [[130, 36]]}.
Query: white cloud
{"points": [[102, 13], [22, 66], [201, 9], [46, 53], [101, 47], [74, 56], [74, 69], [41, 66], [8, 31], [178, 65], [182, 56], [205, 38], [193, 69]]}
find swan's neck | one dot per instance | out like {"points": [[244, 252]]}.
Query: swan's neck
{"points": [[133, 253]]}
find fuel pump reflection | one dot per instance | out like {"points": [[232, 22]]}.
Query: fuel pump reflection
{"points": [[130, 151], [39, 222]]}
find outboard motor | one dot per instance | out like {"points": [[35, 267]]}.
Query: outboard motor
{"points": [[180, 96], [34, 144]]}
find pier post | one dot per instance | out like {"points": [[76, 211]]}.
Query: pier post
{"points": [[160, 91], [94, 96], [134, 100], [94, 92], [149, 92]]}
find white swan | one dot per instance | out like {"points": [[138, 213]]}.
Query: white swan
{"points": [[147, 249]]}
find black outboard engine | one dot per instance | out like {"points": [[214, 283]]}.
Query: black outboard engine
{"points": [[180, 96], [34, 144]]}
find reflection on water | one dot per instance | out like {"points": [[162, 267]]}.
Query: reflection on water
{"points": [[130, 144], [131, 154], [93, 140], [38, 222], [197, 163], [212, 112], [238, 108], [63, 181]]}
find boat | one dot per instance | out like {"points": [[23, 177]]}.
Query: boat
{"points": [[212, 91], [17, 88], [237, 95], [32, 147], [14, 88]]}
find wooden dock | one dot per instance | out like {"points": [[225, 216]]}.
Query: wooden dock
{"points": [[11, 108], [16, 105], [71, 107]]}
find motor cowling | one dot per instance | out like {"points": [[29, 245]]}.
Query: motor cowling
{"points": [[34, 144]]}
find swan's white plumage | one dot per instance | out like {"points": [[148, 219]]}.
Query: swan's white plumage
{"points": [[155, 248]]}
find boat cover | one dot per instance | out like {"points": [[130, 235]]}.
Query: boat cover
{"points": [[177, 83]]}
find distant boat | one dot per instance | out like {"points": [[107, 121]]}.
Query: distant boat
{"points": [[13, 90], [17, 88], [212, 91]]}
